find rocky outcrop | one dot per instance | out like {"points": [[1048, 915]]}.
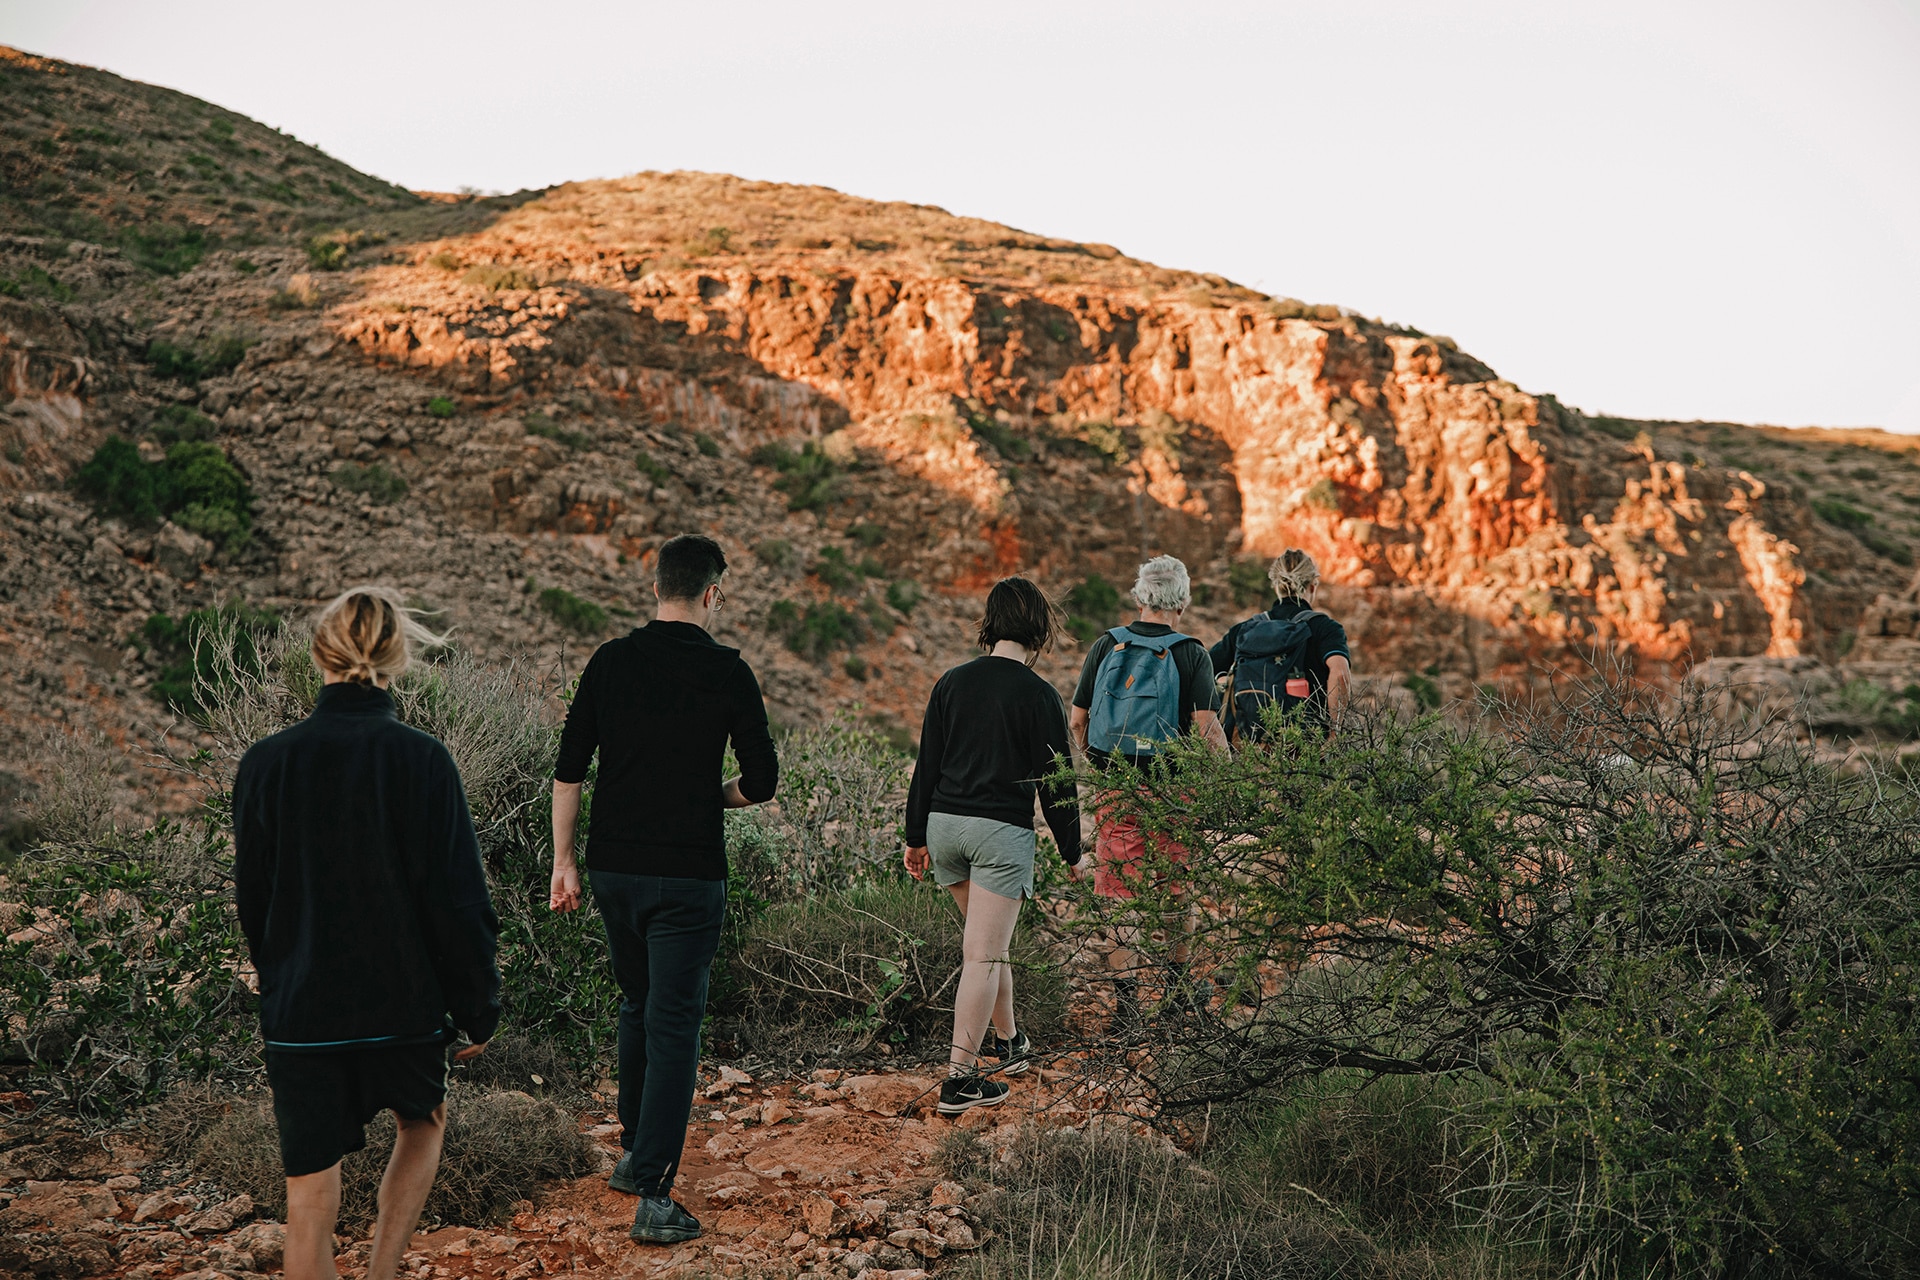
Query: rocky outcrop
{"points": [[490, 400]]}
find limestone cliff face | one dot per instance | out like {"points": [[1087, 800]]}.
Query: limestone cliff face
{"points": [[1477, 525], [492, 398]]}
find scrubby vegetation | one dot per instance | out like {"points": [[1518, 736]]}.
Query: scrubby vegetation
{"points": [[539, 424], [1670, 954], [374, 479], [810, 478], [1599, 984], [572, 612], [190, 363], [498, 1144], [194, 485], [815, 631], [1092, 606]]}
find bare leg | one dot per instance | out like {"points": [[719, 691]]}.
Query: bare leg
{"points": [[1003, 1024], [313, 1205], [990, 921], [403, 1190]]}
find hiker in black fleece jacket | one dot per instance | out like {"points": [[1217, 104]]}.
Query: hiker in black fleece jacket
{"points": [[993, 731], [360, 890], [660, 705]]}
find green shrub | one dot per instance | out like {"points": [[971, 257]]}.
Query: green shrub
{"points": [[208, 359], [1674, 951], [712, 242], [139, 986], [445, 260], [855, 666], [166, 249], [651, 468], [196, 486], [122, 482], [867, 535], [328, 251], [1426, 694], [1882, 545], [179, 422], [810, 479], [706, 444], [824, 627], [833, 569], [775, 553], [206, 652], [878, 615], [904, 595], [539, 424], [783, 618], [1006, 442], [34, 282], [570, 611], [1247, 579], [440, 407], [1324, 494], [373, 479], [1092, 606], [1841, 513]]}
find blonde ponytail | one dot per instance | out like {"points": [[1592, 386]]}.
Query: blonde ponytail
{"points": [[367, 634], [1293, 574]]}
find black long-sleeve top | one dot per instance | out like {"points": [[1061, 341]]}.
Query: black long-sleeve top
{"points": [[992, 733], [660, 704], [359, 882]]}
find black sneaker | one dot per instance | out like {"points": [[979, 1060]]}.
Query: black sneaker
{"points": [[964, 1093], [1014, 1056], [621, 1179], [659, 1220]]}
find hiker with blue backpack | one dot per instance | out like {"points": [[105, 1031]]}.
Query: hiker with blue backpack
{"points": [[1292, 658], [1143, 685]]}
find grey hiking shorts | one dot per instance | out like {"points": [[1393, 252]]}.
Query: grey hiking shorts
{"points": [[995, 855]]}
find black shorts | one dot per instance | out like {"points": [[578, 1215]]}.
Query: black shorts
{"points": [[323, 1101]]}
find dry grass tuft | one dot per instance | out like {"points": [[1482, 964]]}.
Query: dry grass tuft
{"points": [[501, 1147]]}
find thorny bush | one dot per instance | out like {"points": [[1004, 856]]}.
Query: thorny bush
{"points": [[1680, 948]]}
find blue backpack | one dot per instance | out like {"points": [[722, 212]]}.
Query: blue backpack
{"points": [[1270, 656], [1136, 695]]}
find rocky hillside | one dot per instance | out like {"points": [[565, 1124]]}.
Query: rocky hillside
{"points": [[505, 404]]}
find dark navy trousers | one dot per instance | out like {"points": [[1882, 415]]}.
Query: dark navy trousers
{"points": [[662, 933]]}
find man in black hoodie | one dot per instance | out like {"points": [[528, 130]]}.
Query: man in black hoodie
{"points": [[660, 704]]}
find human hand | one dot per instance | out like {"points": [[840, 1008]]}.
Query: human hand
{"points": [[565, 894], [1077, 871], [917, 861], [467, 1053]]}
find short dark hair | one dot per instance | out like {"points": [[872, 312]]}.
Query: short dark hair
{"points": [[1018, 611], [688, 565]]}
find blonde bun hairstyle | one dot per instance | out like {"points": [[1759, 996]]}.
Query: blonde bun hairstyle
{"points": [[368, 634], [1293, 573]]}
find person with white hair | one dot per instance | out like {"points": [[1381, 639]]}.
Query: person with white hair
{"points": [[1293, 657], [1142, 686]]}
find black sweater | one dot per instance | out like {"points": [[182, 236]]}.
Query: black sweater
{"points": [[359, 883], [992, 731], [660, 704]]}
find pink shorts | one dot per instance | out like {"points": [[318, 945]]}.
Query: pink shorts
{"points": [[1119, 849]]}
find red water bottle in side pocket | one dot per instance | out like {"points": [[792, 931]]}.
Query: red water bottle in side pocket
{"points": [[1298, 687]]}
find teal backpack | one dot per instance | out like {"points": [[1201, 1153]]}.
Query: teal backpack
{"points": [[1136, 695]]}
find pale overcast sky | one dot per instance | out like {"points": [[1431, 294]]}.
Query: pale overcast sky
{"points": [[1660, 208]]}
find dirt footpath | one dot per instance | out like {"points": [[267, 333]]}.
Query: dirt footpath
{"points": [[834, 1176]]}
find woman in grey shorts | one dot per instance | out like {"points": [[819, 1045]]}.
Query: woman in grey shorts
{"points": [[993, 730]]}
